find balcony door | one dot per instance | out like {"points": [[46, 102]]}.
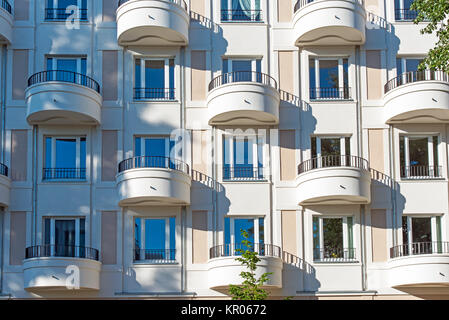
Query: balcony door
{"points": [[154, 152], [240, 70], [154, 79], [234, 239], [421, 235], [419, 157], [65, 237], [65, 158], [330, 151], [66, 68], [240, 10], [328, 78]]}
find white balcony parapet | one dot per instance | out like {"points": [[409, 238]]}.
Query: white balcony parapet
{"points": [[420, 265], [417, 97], [63, 97], [243, 98], [61, 268], [329, 22], [224, 269], [334, 180], [153, 22], [144, 181], [6, 22]]}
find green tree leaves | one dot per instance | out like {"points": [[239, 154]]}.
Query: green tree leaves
{"points": [[436, 12]]}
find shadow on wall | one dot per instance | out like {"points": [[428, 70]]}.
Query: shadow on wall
{"points": [[298, 275], [153, 279]]}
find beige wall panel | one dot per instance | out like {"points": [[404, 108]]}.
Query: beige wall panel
{"points": [[379, 235], [199, 237], [17, 238], [287, 154]]}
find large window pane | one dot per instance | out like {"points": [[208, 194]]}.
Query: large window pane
{"points": [[154, 79], [65, 153], [418, 150], [333, 237], [243, 224], [155, 239], [330, 147], [329, 74], [65, 238], [421, 229]]}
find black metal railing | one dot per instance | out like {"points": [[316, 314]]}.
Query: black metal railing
{"points": [[241, 15], [64, 174], [301, 3], [181, 3], [6, 6], [62, 14], [155, 255], [330, 254], [333, 161], [417, 248], [405, 14], [243, 76], [415, 76], [153, 162], [330, 93], [64, 76], [66, 251], [421, 172], [154, 94], [243, 173], [3, 170], [232, 249]]}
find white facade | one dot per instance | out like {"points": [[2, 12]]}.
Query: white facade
{"points": [[264, 140]]}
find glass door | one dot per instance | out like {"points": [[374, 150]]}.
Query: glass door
{"points": [[65, 238]]}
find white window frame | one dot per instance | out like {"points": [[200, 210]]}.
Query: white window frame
{"points": [[430, 151], [433, 225], [53, 150], [340, 60], [53, 230], [142, 71], [167, 236], [257, 140], [342, 147], [142, 143], [345, 236], [256, 227]]}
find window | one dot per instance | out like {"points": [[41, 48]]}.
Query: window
{"points": [[61, 10], [154, 152], [333, 239], [65, 158], [65, 237], [419, 157], [328, 78], [407, 65], [239, 70], [330, 151], [241, 10], [233, 237], [402, 10], [421, 235], [154, 79], [66, 69], [243, 157], [155, 239]]}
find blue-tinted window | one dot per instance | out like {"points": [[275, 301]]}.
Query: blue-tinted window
{"points": [[65, 153], [155, 234]]}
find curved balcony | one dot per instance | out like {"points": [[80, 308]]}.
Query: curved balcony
{"points": [[334, 180], [5, 186], [153, 22], [6, 22], [63, 97], [419, 265], [144, 181], [224, 269], [243, 98], [329, 22], [417, 97], [57, 267]]}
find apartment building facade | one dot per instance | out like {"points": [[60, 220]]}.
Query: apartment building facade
{"points": [[140, 137]]}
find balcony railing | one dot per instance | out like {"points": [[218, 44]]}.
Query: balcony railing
{"points": [[154, 94], [329, 254], [3, 170], [155, 255], [62, 14], [333, 161], [243, 76], [66, 251], [405, 14], [241, 15], [415, 76], [232, 249], [181, 3], [153, 162], [64, 76], [418, 248], [6, 6], [421, 172], [243, 173], [330, 93], [301, 3], [64, 174]]}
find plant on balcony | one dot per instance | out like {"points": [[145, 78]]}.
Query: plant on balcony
{"points": [[436, 12], [251, 288]]}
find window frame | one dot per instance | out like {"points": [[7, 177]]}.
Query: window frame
{"points": [[256, 224], [167, 78], [52, 230], [229, 8], [435, 232], [79, 63], [431, 152], [341, 75]]}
